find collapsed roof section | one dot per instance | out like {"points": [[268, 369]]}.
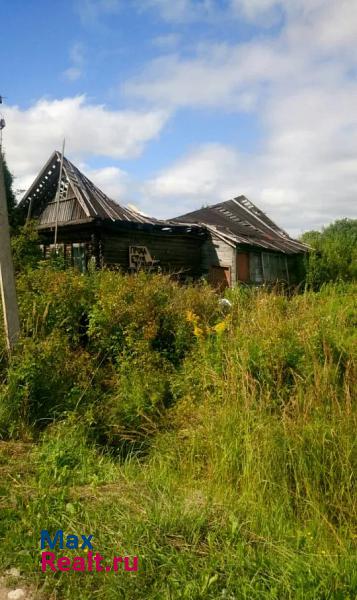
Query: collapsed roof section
{"points": [[239, 221], [79, 198]]}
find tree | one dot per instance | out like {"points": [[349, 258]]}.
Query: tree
{"points": [[334, 255], [10, 196], [25, 245]]}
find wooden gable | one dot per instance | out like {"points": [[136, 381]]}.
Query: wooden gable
{"points": [[67, 209]]}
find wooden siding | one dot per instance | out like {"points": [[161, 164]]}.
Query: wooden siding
{"points": [[175, 253], [68, 210], [217, 253]]}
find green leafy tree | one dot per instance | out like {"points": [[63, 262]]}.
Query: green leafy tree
{"points": [[334, 255], [25, 246], [10, 196]]}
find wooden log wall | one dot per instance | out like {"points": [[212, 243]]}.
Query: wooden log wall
{"points": [[175, 252]]}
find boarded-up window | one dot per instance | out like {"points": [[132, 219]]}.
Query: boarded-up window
{"points": [[256, 267], [243, 266], [219, 277]]}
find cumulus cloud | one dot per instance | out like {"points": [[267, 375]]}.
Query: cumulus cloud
{"points": [[112, 181], [297, 199], [298, 79], [208, 173], [301, 83], [90, 130], [220, 75], [315, 43]]}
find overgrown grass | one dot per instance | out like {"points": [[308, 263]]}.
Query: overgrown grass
{"points": [[220, 449]]}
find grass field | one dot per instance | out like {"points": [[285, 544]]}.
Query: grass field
{"points": [[220, 449]]}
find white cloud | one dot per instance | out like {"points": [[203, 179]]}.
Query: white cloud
{"points": [[298, 198], [72, 73], [77, 59], [91, 10], [265, 12], [204, 174], [316, 43], [299, 79], [302, 85], [179, 11], [111, 180], [166, 41], [220, 75], [90, 130]]}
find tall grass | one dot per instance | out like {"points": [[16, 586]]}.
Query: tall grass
{"points": [[221, 449]]}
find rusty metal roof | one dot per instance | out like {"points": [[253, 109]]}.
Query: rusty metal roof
{"points": [[93, 202], [239, 221]]}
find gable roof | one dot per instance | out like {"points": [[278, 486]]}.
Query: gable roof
{"points": [[239, 221], [93, 203]]}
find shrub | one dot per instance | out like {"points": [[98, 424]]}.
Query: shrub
{"points": [[55, 301], [45, 380], [145, 313]]}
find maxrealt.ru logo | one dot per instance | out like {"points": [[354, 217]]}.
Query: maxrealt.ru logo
{"points": [[88, 562]]}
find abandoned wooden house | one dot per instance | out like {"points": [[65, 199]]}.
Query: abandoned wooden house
{"points": [[226, 243], [244, 245], [86, 225]]}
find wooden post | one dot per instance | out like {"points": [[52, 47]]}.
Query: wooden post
{"points": [[58, 194], [7, 277]]}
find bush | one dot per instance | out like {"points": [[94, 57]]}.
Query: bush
{"points": [[55, 301], [44, 381], [145, 313], [334, 255]]}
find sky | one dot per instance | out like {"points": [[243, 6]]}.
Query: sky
{"points": [[170, 105]]}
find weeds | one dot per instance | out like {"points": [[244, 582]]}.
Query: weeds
{"points": [[220, 450]]}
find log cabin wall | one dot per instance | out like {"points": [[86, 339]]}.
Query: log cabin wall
{"points": [[174, 252], [109, 245], [78, 243]]}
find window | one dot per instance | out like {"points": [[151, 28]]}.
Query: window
{"points": [[256, 267], [79, 257], [274, 267]]}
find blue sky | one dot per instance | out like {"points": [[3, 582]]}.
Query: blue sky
{"points": [[171, 105]]}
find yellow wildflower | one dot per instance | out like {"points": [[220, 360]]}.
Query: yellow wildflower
{"points": [[197, 331], [220, 327]]}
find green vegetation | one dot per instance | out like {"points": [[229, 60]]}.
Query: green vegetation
{"points": [[10, 196], [335, 253], [220, 449]]}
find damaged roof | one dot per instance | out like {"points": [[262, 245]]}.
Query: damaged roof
{"points": [[93, 203], [239, 221]]}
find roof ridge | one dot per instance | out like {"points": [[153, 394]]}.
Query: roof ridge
{"points": [[94, 202]]}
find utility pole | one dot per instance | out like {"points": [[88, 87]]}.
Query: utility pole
{"points": [[7, 277]]}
